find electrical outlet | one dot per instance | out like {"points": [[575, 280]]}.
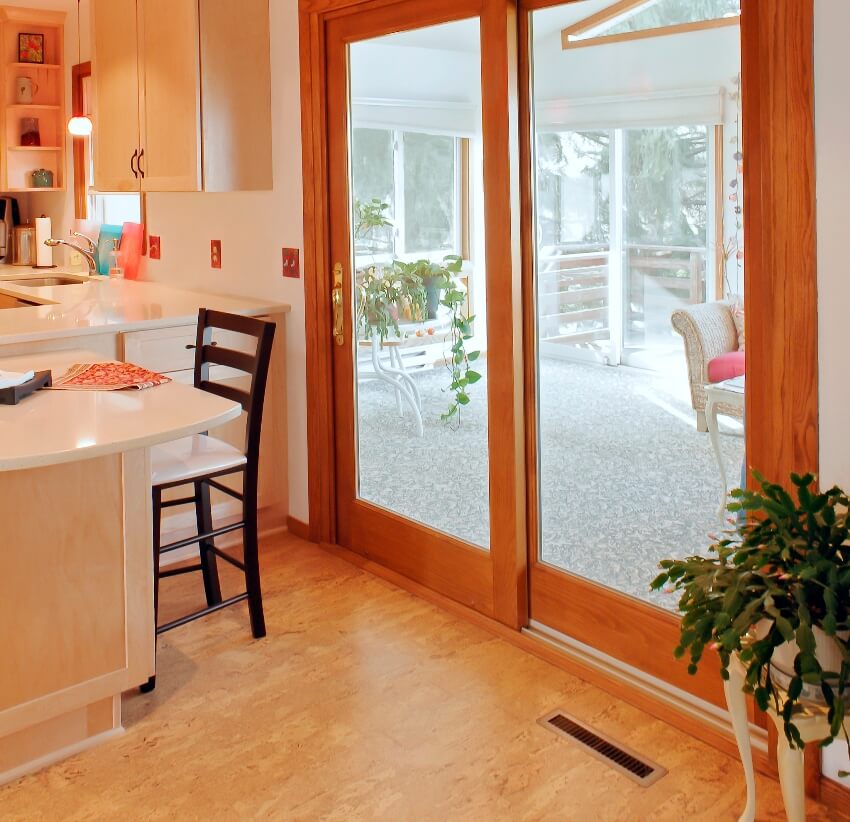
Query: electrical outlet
{"points": [[154, 248], [291, 267], [76, 258], [215, 253]]}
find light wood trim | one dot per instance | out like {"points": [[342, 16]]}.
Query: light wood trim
{"points": [[321, 478], [505, 394], [618, 8], [780, 283], [780, 262], [466, 205], [78, 73], [298, 527]]}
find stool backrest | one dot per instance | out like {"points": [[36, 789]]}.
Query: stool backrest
{"points": [[209, 353]]}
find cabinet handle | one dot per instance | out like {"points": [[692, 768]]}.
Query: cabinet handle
{"points": [[191, 346], [133, 164], [139, 163]]}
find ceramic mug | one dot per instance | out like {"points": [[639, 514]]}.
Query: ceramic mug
{"points": [[25, 89]]}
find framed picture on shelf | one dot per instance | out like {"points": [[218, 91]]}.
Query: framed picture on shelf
{"points": [[30, 47]]}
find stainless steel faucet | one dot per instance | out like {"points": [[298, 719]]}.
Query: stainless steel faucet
{"points": [[88, 253]]}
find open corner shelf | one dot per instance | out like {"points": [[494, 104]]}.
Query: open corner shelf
{"points": [[47, 101], [33, 107], [38, 66]]}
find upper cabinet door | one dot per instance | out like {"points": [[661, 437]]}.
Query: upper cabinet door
{"points": [[237, 97], [115, 72], [170, 95]]}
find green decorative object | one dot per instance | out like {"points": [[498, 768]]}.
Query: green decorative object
{"points": [[42, 178], [777, 586]]}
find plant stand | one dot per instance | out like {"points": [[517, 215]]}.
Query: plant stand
{"points": [[406, 390], [813, 725]]}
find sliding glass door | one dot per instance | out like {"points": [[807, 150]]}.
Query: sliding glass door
{"points": [[419, 230], [636, 218]]}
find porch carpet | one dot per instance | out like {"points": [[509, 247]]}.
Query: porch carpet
{"points": [[626, 479]]}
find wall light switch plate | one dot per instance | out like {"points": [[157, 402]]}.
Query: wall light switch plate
{"points": [[291, 266], [215, 253], [76, 258], [154, 248]]}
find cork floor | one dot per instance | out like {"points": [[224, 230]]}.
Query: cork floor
{"points": [[366, 703]]}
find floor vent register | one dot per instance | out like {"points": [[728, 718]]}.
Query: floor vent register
{"points": [[628, 762]]}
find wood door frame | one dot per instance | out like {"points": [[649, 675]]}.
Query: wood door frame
{"points": [[78, 73], [507, 601]]}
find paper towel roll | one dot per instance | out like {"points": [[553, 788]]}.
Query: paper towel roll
{"points": [[43, 253]]}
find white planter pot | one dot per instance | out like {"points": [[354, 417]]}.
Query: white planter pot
{"points": [[827, 653]]}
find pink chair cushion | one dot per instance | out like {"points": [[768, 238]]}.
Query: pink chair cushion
{"points": [[726, 366]]}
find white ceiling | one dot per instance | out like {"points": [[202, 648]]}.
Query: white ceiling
{"points": [[463, 35]]}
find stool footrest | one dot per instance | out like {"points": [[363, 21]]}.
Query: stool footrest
{"points": [[216, 532], [202, 613], [227, 558], [172, 503], [186, 569]]}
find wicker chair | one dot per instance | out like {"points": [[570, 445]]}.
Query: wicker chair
{"points": [[709, 331]]}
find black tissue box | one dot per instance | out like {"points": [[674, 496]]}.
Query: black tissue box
{"points": [[15, 393]]}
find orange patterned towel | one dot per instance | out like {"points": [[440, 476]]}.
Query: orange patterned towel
{"points": [[108, 376]]}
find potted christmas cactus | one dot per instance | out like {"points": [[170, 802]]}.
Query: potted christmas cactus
{"points": [[776, 592]]}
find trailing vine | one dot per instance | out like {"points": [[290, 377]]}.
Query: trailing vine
{"points": [[459, 360]]}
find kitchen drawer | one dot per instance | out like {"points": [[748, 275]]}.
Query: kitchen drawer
{"points": [[173, 349]]}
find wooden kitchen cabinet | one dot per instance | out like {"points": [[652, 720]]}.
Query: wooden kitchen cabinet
{"points": [[194, 112]]}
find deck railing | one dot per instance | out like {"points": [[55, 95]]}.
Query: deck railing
{"points": [[573, 287]]}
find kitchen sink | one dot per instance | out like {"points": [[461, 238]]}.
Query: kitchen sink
{"points": [[41, 282]]}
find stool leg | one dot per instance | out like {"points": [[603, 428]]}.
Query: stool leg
{"points": [[252, 563], [209, 567], [156, 540]]}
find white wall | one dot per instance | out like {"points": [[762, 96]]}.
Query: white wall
{"points": [[253, 227], [832, 135]]}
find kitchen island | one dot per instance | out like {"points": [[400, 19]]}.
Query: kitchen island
{"points": [[76, 567], [151, 325], [76, 564]]}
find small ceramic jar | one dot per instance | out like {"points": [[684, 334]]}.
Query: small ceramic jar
{"points": [[42, 178]]}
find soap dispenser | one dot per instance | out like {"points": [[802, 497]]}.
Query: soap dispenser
{"points": [[115, 270]]}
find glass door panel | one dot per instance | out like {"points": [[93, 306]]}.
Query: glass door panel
{"points": [[636, 185], [666, 219], [419, 365]]}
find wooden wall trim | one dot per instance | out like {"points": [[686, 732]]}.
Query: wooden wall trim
{"points": [[505, 389], [780, 279], [320, 400], [78, 73]]}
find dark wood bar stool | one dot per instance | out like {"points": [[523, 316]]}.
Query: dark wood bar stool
{"points": [[202, 460]]}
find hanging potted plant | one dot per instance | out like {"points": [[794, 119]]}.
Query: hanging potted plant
{"points": [[776, 592]]}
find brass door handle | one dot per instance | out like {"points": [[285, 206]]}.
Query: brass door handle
{"points": [[336, 301]]}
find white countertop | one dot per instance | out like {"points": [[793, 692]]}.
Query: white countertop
{"points": [[100, 304], [52, 427]]}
